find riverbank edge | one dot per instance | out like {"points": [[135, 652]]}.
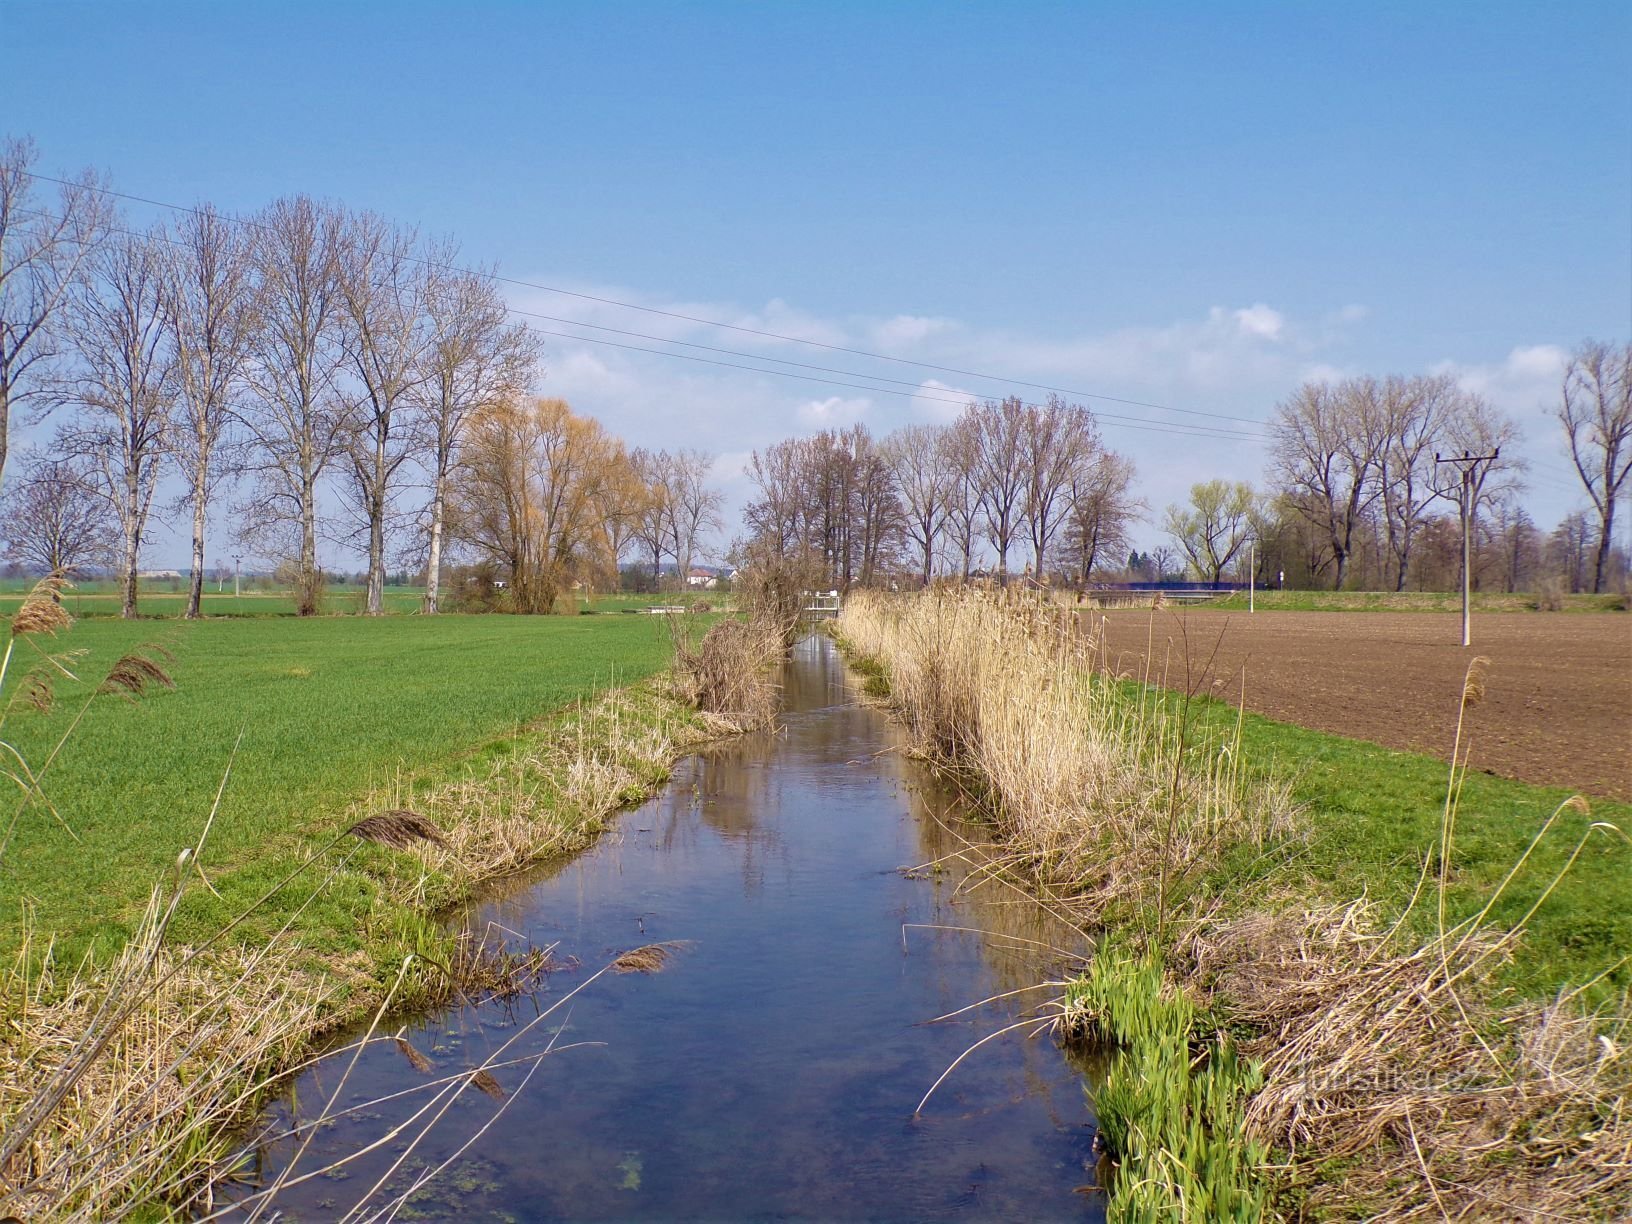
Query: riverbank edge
{"points": [[1128, 1000], [155, 1089]]}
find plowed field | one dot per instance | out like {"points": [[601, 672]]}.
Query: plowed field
{"points": [[1558, 700]]}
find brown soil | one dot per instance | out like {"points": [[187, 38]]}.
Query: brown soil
{"points": [[1558, 699]]}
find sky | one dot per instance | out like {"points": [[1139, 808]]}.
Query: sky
{"points": [[1192, 206]]}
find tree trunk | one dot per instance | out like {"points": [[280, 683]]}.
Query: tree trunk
{"points": [[306, 597], [1605, 537], [133, 549], [195, 591], [433, 574]]}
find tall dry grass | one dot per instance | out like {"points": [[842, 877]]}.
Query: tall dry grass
{"points": [[1392, 1079], [1102, 796]]}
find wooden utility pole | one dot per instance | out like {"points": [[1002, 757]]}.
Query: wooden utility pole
{"points": [[1468, 466]]}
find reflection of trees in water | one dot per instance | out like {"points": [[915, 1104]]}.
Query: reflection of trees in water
{"points": [[731, 787], [1021, 941], [814, 677]]}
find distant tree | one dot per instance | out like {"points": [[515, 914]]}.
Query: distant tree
{"points": [[529, 492], [55, 519], [122, 382], [297, 420], [694, 505], [1595, 410], [924, 473], [1214, 527], [385, 336], [1101, 510], [44, 243], [476, 358], [997, 431], [1060, 440], [1327, 451], [210, 315]]}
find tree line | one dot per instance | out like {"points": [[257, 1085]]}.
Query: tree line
{"points": [[337, 373], [1006, 479], [1361, 486]]}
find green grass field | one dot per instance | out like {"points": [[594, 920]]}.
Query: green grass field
{"points": [[328, 707], [168, 598], [1373, 814]]}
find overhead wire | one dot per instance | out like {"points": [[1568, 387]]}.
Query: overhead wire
{"points": [[763, 333]]}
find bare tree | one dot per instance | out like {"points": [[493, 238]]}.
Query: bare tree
{"points": [[998, 433], [299, 422], [924, 472], [1215, 527], [693, 506], [209, 312], [1413, 414], [1101, 511], [654, 510], [1595, 409], [44, 243], [1328, 447], [1058, 438], [385, 336], [962, 499], [56, 519], [122, 381], [476, 359]]}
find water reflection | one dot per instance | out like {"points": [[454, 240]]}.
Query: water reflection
{"points": [[774, 1070]]}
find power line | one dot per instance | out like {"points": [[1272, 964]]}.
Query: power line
{"points": [[1118, 422], [671, 314], [1110, 419]]}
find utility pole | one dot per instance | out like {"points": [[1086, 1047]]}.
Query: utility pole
{"points": [[1468, 466], [1252, 574], [236, 558]]}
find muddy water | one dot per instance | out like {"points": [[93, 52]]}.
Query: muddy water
{"points": [[772, 1070]]}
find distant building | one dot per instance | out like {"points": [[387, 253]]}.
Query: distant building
{"points": [[159, 575], [704, 579]]}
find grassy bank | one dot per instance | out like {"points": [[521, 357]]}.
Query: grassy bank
{"points": [[1398, 975], [386, 768]]}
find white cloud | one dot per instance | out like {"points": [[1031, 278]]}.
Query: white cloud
{"points": [[1259, 320], [905, 331], [834, 412]]}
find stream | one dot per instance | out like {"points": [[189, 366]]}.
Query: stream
{"points": [[772, 1069]]}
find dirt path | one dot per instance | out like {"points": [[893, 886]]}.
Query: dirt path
{"points": [[1558, 704]]}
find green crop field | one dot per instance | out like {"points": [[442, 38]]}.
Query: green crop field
{"points": [[327, 707]]}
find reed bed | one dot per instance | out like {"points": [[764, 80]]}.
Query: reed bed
{"points": [[1368, 1071]]}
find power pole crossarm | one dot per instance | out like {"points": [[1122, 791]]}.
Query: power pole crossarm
{"points": [[1468, 467]]}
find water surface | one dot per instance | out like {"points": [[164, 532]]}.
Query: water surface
{"points": [[773, 1069]]}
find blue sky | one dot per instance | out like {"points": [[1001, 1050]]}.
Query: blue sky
{"points": [[1193, 205]]}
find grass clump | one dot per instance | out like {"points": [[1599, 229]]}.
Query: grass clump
{"points": [[1169, 1116]]}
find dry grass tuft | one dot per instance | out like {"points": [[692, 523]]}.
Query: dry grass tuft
{"points": [[653, 958], [398, 828], [42, 610], [132, 673], [1389, 1057], [1473, 685], [729, 675]]}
